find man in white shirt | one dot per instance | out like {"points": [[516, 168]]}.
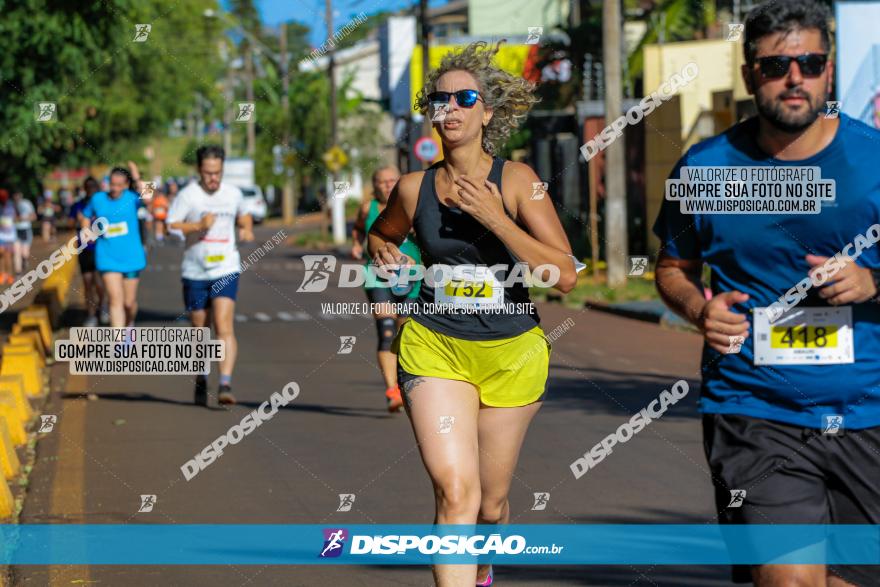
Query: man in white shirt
{"points": [[207, 212]]}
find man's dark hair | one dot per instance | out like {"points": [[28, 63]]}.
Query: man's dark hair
{"points": [[124, 172], [91, 181], [209, 152], [785, 16]]}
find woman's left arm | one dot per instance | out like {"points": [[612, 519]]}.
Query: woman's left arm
{"points": [[543, 242]]}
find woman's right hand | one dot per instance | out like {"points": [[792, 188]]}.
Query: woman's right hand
{"points": [[389, 254]]}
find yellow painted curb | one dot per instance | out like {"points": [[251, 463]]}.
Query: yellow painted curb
{"points": [[24, 363], [9, 414], [25, 348], [38, 316], [13, 386], [7, 504], [29, 337], [8, 458]]}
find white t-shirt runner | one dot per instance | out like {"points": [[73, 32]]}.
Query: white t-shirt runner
{"points": [[212, 255]]}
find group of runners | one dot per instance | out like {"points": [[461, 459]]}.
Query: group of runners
{"points": [[766, 415], [17, 216], [763, 418], [207, 213]]}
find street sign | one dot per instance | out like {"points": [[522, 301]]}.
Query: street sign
{"points": [[335, 158], [426, 149], [277, 159]]}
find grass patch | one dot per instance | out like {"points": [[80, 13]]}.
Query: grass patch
{"points": [[591, 288]]}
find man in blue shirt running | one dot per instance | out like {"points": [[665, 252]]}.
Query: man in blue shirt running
{"points": [[791, 361]]}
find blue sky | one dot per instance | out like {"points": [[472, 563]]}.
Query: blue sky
{"points": [[311, 12]]}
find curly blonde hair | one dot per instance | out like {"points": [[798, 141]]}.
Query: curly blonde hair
{"points": [[508, 96]]}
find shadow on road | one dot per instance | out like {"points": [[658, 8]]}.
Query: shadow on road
{"points": [[614, 392]]}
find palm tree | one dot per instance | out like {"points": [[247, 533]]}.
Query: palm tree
{"points": [[673, 20]]}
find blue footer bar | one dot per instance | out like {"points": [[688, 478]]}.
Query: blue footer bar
{"points": [[384, 544]]}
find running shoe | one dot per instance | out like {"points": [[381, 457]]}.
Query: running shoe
{"points": [[202, 392], [224, 396], [91, 322], [488, 580], [105, 318], [395, 401]]}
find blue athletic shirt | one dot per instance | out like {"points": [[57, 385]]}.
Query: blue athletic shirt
{"points": [[119, 249], [763, 255]]}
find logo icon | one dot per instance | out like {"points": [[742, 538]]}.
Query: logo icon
{"points": [[46, 111], [439, 110], [318, 270], [341, 189], [832, 108], [735, 344], [446, 423], [147, 503], [149, 188], [638, 265], [737, 497], [245, 112], [47, 422], [735, 31], [541, 500], [535, 33], [832, 424], [334, 542], [539, 190], [346, 345], [346, 500], [142, 32]]}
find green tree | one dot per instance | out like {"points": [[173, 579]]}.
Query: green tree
{"points": [[110, 92], [677, 20]]}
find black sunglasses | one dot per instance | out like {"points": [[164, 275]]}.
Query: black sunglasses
{"points": [[464, 98], [776, 66]]}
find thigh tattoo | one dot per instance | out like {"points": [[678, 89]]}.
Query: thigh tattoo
{"points": [[411, 386]]}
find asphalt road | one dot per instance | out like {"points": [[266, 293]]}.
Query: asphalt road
{"points": [[337, 437]]}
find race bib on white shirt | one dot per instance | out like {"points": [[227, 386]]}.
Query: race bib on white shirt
{"points": [[804, 336], [216, 253], [471, 287], [210, 255], [116, 229], [5, 222]]}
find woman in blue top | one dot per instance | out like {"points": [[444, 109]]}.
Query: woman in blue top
{"points": [[119, 252]]}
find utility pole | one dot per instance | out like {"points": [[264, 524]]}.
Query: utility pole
{"points": [[227, 111], [424, 31], [337, 204], [288, 200], [249, 74], [615, 171]]}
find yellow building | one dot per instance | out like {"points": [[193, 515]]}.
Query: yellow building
{"points": [[704, 107]]}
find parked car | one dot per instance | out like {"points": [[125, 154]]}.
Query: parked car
{"points": [[255, 203]]}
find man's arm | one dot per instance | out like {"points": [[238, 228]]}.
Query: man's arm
{"points": [[246, 227], [359, 230], [679, 285], [678, 282]]}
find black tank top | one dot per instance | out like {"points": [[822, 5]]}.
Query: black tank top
{"points": [[450, 236]]}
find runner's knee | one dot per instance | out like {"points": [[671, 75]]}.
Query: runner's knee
{"points": [[386, 328], [492, 509], [458, 496]]}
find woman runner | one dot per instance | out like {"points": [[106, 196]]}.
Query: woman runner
{"points": [[473, 377]]}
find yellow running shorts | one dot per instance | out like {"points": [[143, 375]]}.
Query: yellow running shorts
{"points": [[508, 372]]}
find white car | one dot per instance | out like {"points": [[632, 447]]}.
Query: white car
{"points": [[255, 203]]}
